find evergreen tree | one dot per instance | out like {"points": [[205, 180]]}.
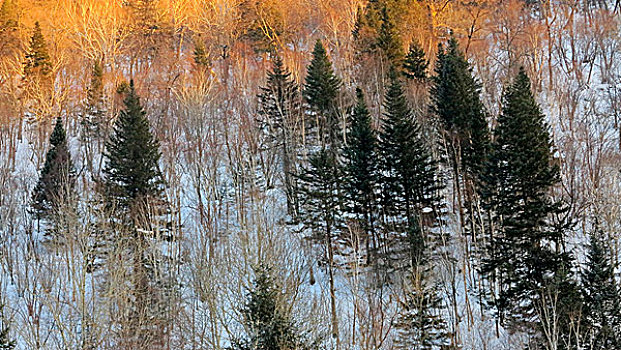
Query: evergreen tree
{"points": [[54, 191], [456, 102], [410, 182], [133, 188], [421, 325], [415, 64], [321, 91], [5, 342], [132, 177], [361, 172], [455, 96], [526, 249], [602, 299], [94, 120], [268, 327], [388, 40], [38, 63], [321, 211], [280, 117]]}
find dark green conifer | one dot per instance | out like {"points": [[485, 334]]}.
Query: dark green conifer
{"points": [[415, 64], [455, 96], [94, 118], [388, 40], [54, 191], [38, 63], [526, 250], [361, 172], [410, 180], [321, 91], [280, 117], [265, 317], [421, 323], [5, 342], [602, 298], [133, 194], [132, 175], [201, 58]]}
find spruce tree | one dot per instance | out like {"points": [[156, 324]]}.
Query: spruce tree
{"points": [[38, 64], [388, 40], [409, 173], [321, 91], [267, 324], [415, 64], [526, 248], [602, 298], [456, 102], [131, 175], [420, 324], [54, 191], [280, 118], [321, 211], [361, 173], [94, 118], [132, 187]]}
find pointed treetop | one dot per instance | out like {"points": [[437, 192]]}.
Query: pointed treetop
{"points": [[59, 136], [415, 65], [38, 57]]}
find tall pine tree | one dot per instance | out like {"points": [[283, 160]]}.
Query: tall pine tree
{"points": [[280, 117], [602, 298], [321, 92], [526, 250], [388, 40], [410, 184], [38, 64], [133, 191], [53, 195], [361, 173], [456, 102]]}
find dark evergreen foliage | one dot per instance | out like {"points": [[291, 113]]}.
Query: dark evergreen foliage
{"points": [[38, 62], [526, 249], [266, 322], [388, 40], [455, 96], [54, 190], [602, 298], [280, 117], [131, 174], [201, 57], [410, 181], [361, 172], [94, 118], [321, 91], [415, 64]]}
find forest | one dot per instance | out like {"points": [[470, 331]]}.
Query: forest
{"points": [[310, 174]]}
